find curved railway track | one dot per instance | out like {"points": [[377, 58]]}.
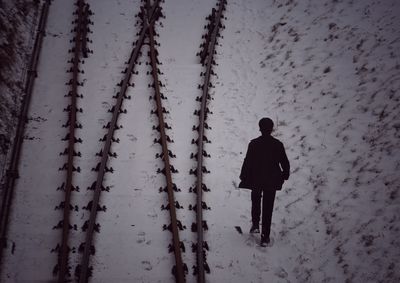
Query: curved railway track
{"points": [[79, 51], [149, 14], [207, 60]]}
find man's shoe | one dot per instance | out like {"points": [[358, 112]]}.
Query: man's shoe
{"points": [[254, 229], [264, 241]]}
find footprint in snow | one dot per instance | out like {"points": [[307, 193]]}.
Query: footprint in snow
{"points": [[141, 237], [147, 265], [235, 73], [251, 241], [281, 273]]}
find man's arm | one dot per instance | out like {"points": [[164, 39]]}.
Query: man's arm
{"points": [[284, 161], [245, 172]]}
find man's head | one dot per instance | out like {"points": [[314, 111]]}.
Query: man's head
{"points": [[266, 126]]}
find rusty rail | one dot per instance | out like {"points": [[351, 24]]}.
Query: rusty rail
{"points": [[12, 172], [72, 120], [208, 57], [84, 266], [179, 267]]}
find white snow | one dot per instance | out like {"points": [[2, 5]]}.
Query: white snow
{"points": [[327, 73], [18, 20]]}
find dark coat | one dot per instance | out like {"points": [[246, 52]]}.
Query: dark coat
{"points": [[266, 165]]}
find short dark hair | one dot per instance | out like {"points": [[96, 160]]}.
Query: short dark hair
{"points": [[266, 125]]}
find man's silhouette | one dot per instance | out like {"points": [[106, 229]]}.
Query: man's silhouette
{"points": [[264, 170]]}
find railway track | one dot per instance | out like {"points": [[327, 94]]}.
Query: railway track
{"points": [[150, 12], [207, 60], [79, 52]]}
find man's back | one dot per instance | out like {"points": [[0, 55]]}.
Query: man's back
{"points": [[266, 164]]}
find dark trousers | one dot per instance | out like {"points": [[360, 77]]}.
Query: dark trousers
{"points": [[268, 197]]}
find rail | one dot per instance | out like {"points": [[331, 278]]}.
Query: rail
{"points": [[206, 58], [84, 266], [179, 270], [80, 33]]}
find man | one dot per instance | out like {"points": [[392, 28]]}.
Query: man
{"points": [[264, 170]]}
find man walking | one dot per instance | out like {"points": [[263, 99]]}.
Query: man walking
{"points": [[264, 170]]}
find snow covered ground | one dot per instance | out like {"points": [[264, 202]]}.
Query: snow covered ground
{"points": [[18, 20], [327, 73]]}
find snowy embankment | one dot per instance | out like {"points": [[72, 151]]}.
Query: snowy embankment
{"points": [[327, 73], [17, 27], [31, 236]]}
